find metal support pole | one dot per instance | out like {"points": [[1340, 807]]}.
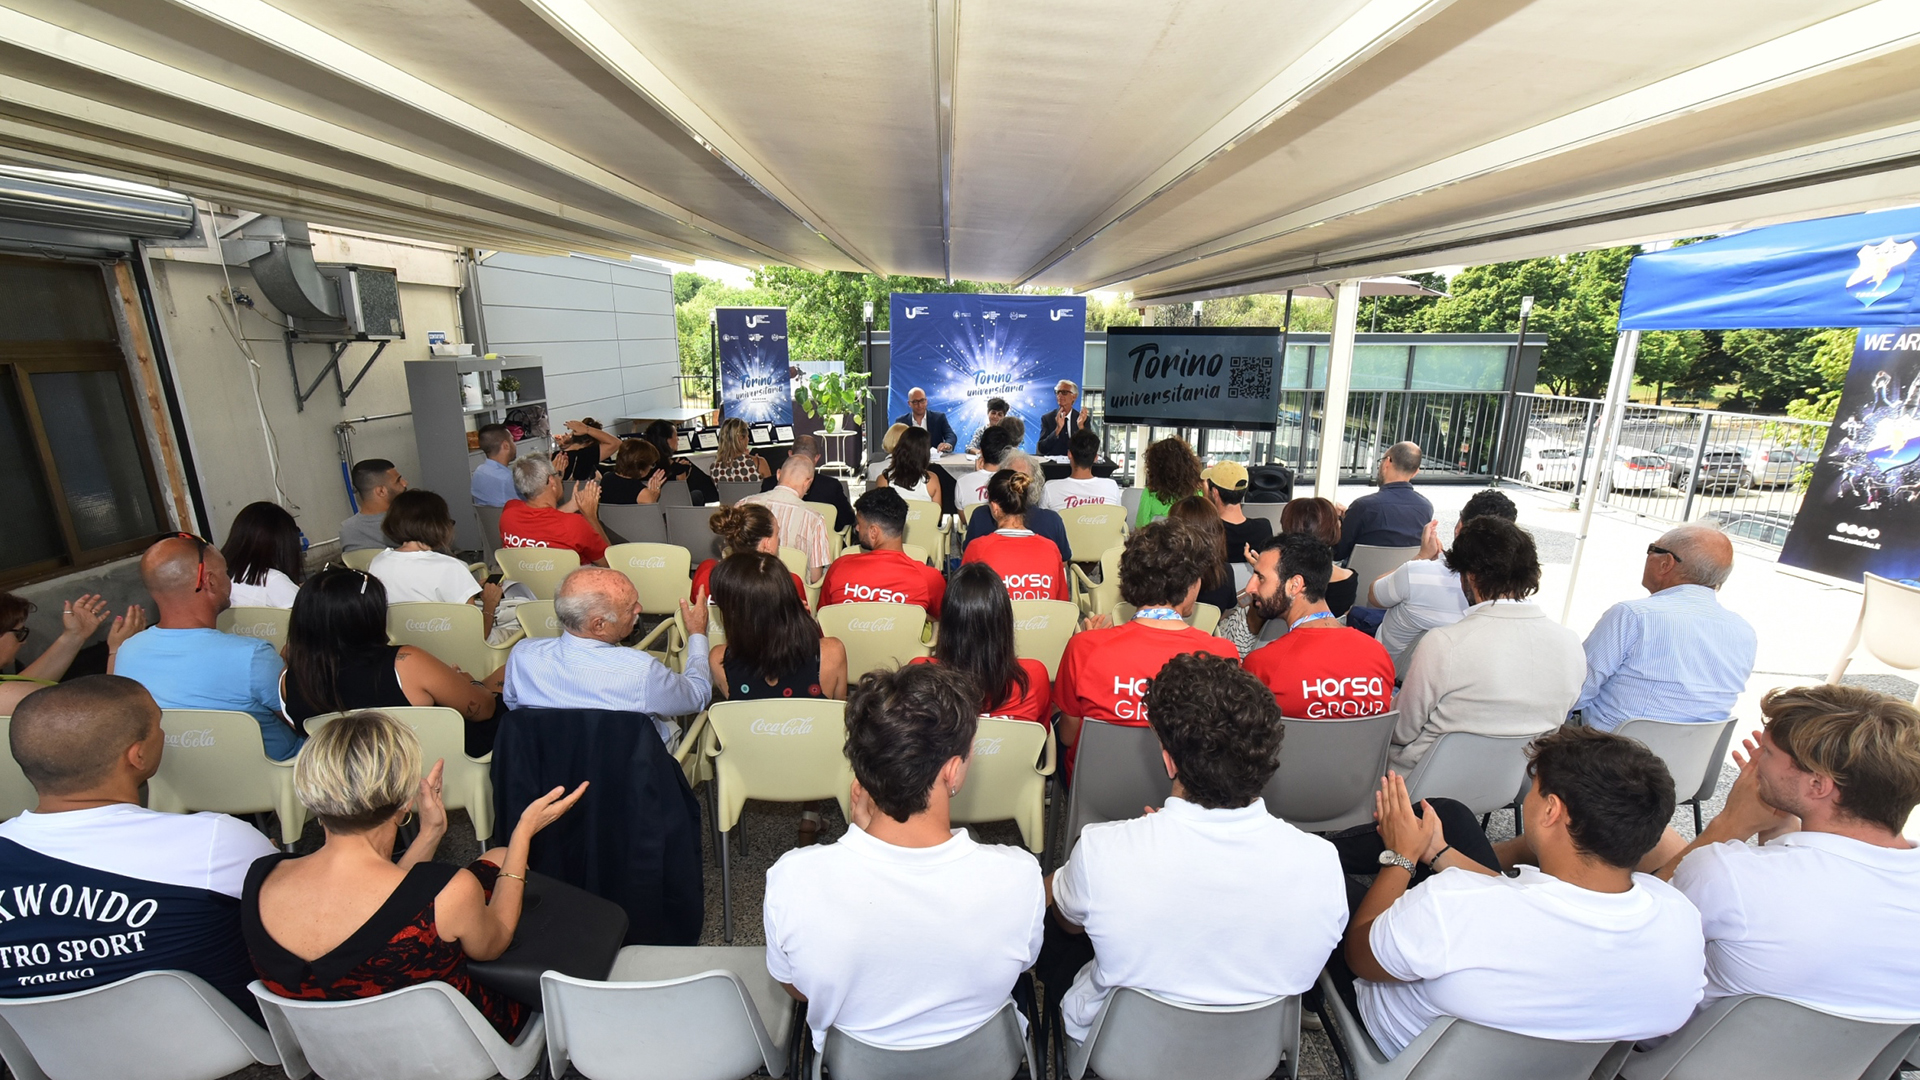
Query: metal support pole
{"points": [[1624, 354], [1693, 474], [1513, 372], [1333, 426]]}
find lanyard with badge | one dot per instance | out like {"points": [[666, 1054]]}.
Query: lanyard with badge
{"points": [[1304, 619], [1157, 613]]}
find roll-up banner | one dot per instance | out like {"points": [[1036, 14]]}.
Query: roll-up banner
{"points": [[1193, 376], [1861, 513], [754, 381], [964, 348]]}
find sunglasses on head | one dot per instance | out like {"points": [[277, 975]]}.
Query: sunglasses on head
{"points": [[200, 573]]}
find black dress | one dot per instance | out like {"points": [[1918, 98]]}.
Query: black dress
{"points": [[1342, 594], [617, 490], [1224, 597], [746, 683]]}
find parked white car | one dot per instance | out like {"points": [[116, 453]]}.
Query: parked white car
{"points": [[1638, 470], [1550, 466]]}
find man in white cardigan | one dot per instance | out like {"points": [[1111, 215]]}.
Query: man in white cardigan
{"points": [[1505, 668]]}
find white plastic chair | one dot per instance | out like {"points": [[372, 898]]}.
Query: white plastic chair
{"points": [[428, 1031], [1094, 528], [1117, 771], [540, 569], [268, 624], [1762, 1038], [1889, 612], [216, 760], [1102, 597], [1486, 772], [775, 750], [452, 633], [877, 636], [1329, 770], [1041, 629], [359, 559], [1007, 778], [1139, 1035], [1451, 1049], [157, 1025], [1370, 563], [923, 529], [692, 1013], [640, 523], [1692, 752], [992, 1051], [465, 783], [16, 791], [537, 619]]}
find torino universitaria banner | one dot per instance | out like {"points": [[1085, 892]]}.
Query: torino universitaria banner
{"points": [[964, 348], [1861, 513], [1193, 376], [754, 382]]}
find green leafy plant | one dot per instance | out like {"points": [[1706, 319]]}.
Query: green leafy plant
{"points": [[510, 384], [832, 394]]}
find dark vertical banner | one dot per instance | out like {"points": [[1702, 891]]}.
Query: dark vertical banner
{"points": [[1862, 509], [965, 348], [755, 384]]}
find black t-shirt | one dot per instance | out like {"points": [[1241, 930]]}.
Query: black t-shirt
{"points": [[1242, 535], [617, 490]]}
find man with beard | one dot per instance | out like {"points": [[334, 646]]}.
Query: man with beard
{"points": [[1318, 669]]}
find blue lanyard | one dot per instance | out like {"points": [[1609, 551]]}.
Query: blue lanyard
{"points": [[1156, 613], [1309, 618]]}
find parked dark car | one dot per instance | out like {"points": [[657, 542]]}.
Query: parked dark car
{"points": [[1721, 468]]}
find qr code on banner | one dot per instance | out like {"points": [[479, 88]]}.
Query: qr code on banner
{"points": [[1251, 377]]}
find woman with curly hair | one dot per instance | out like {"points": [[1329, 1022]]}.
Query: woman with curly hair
{"points": [[1172, 473]]}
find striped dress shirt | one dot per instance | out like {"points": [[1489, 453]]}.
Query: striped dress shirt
{"points": [[572, 672], [1676, 655]]}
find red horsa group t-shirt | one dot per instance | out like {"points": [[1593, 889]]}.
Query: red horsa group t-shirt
{"points": [[1028, 562], [883, 577], [1104, 674], [1329, 674], [543, 526], [1032, 705], [703, 578]]}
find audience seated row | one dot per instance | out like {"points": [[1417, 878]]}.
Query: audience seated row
{"points": [[80, 619]]}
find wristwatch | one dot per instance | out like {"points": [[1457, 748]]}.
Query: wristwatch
{"points": [[1391, 857]]}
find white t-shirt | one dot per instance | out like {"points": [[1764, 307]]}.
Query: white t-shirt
{"points": [[1421, 595], [423, 577], [917, 492], [971, 488], [1068, 493], [278, 591], [194, 851], [903, 947], [1536, 956], [1823, 920], [1137, 885]]}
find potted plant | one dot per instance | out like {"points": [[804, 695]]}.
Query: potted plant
{"points": [[831, 396], [510, 386]]}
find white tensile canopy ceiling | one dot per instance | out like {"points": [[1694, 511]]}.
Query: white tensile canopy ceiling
{"points": [[1180, 148]]}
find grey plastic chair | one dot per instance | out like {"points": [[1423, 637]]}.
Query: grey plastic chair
{"points": [[429, 1031], [1452, 1049], [634, 524], [1486, 772], [1710, 784], [1142, 1036], [1370, 563], [992, 1051], [687, 527], [675, 493], [693, 1013], [1762, 1038], [732, 491], [1689, 749], [1329, 770], [157, 1025], [1117, 772], [489, 517]]}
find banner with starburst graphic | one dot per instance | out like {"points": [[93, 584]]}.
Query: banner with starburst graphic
{"points": [[966, 348], [755, 384], [1862, 509]]}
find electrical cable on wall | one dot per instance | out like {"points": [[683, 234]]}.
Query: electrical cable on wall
{"points": [[253, 363]]}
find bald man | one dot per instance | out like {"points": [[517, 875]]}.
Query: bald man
{"points": [[799, 526], [1675, 654], [99, 889], [587, 667], [187, 664]]}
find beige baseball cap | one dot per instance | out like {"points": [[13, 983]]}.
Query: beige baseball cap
{"points": [[1227, 476]]}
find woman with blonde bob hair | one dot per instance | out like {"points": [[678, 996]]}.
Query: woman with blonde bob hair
{"points": [[348, 921]]}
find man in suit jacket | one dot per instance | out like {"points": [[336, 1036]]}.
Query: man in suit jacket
{"points": [[1058, 428], [938, 430]]}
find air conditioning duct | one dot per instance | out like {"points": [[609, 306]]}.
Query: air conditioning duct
{"points": [[279, 253]]}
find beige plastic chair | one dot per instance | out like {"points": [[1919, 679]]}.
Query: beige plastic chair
{"points": [[268, 624], [877, 636], [662, 574], [465, 783], [836, 540], [540, 569], [1007, 778], [923, 528], [489, 530], [917, 553], [1889, 614], [1205, 617], [361, 559], [1100, 598], [215, 760], [537, 618], [451, 632], [1041, 629], [16, 792], [796, 560], [1370, 563], [774, 750], [1094, 528]]}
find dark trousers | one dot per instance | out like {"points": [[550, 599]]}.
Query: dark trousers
{"points": [[1366, 619], [1062, 955]]}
